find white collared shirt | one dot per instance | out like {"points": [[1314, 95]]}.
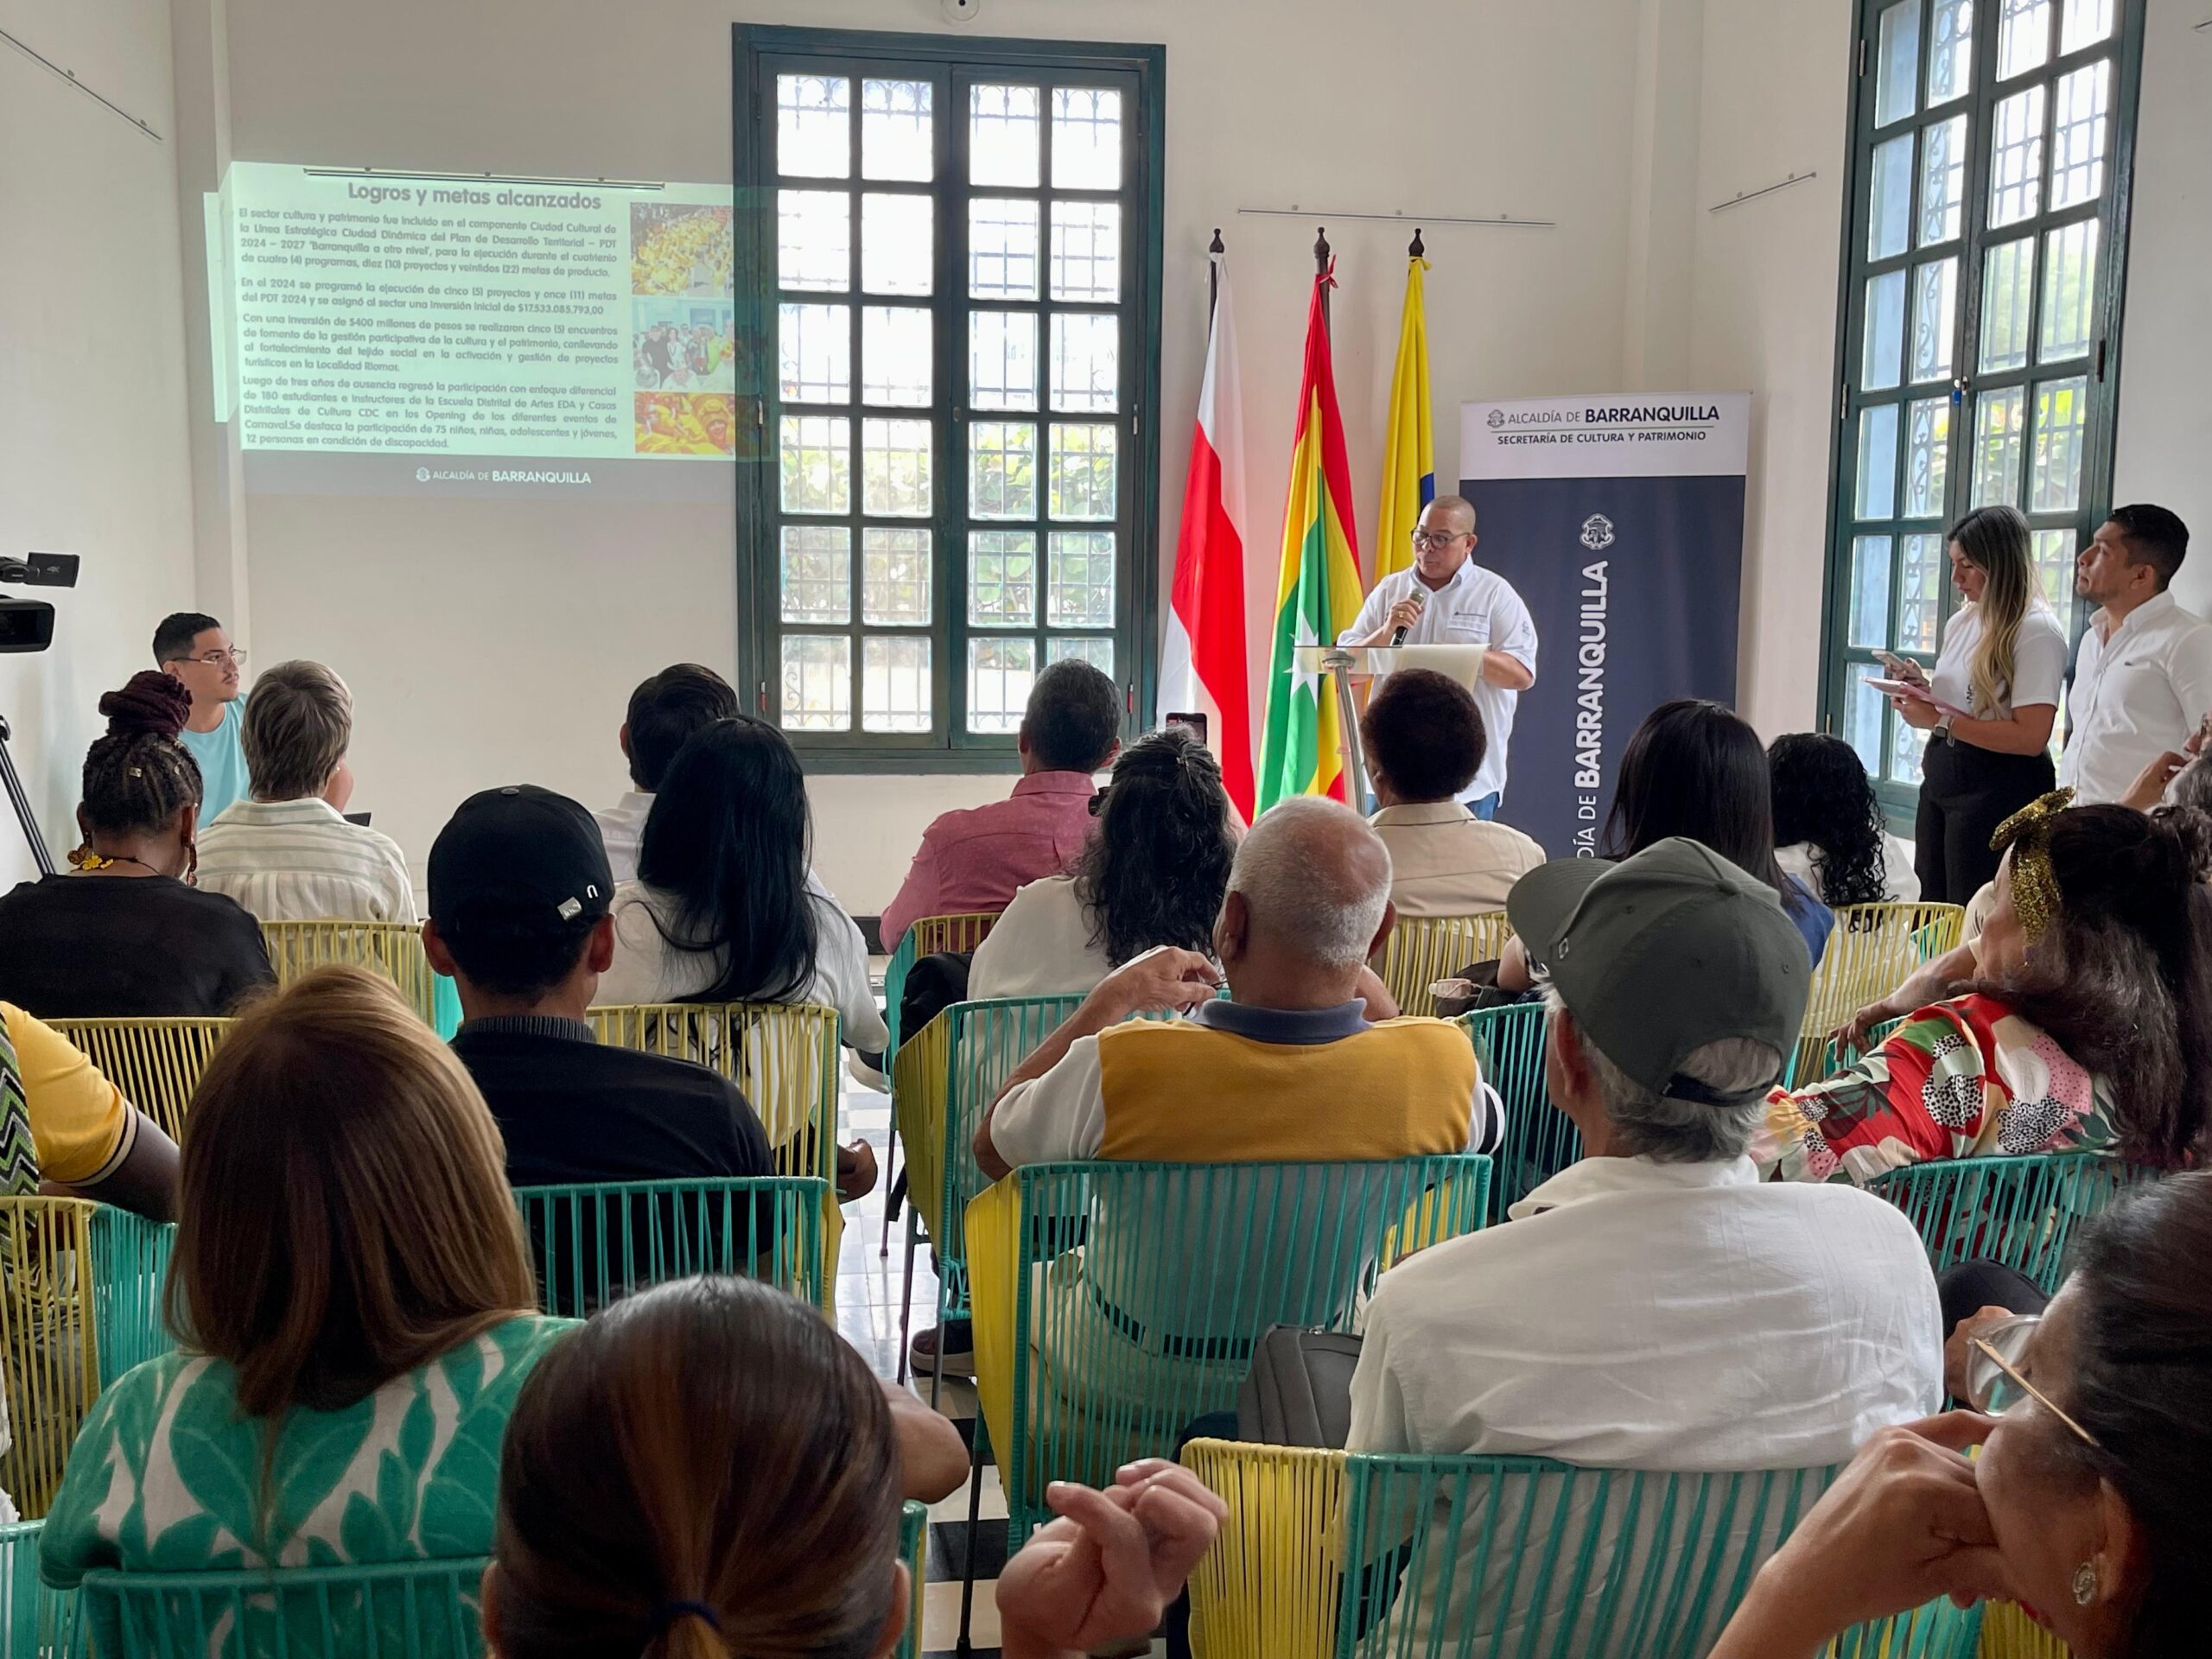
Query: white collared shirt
{"points": [[1476, 607], [1637, 1314], [2137, 694], [2038, 663], [622, 826], [301, 861]]}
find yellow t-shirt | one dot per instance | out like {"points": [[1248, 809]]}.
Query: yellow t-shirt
{"points": [[81, 1124]]}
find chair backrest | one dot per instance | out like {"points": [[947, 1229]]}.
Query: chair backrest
{"points": [[1115, 1302], [391, 949], [2020, 1210], [783, 1055], [130, 1271], [1326, 1555], [1872, 949], [972, 1047], [49, 1342], [914, 1550], [401, 1610], [1425, 949], [592, 1245], [928, 937], [157, 1063], [1539, 1139], [36, 1623]]}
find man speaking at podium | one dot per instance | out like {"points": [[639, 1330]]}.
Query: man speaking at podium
{"points": [[1446, 599]]}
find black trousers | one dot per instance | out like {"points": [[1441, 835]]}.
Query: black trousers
{"points": [[1965, 793], [1967, 1288]]}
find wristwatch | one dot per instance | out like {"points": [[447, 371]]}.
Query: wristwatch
{"points": [[1943, 725]]}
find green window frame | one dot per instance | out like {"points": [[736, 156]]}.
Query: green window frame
{"points": [[920, 529], [1978, 351]]}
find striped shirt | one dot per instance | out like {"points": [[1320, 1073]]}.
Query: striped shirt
{"points": [[301, 861]]}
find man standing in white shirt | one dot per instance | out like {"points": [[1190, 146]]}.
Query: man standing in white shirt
{"points": [[1446, 599], [2143, 679], [1657, 1306], [664, 712]]}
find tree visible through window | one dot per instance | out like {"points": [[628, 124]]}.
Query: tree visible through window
{"points": [[1985, 231], [956, 343]]}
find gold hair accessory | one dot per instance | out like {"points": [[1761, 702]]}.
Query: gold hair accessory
{"points": [[2027, 833], [84, 858]]}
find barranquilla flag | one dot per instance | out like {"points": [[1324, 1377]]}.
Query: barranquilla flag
{"points": [[1409, 453], [1203, 668], [1318, 595]]}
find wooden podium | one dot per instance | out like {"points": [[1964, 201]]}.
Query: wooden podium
{"points": [[1346, 664]]}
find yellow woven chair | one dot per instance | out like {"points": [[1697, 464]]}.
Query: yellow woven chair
{"points": [[391, 949], [931, 935], [783, 1055], [1420, 951], [50, 1347], [157, 1063], [1874, 950]]}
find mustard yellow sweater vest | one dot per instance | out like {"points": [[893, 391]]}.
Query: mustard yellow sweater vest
{"points": [[1188, 1094]]}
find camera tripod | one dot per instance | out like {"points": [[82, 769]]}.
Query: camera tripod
{"points": [[21, 803]]}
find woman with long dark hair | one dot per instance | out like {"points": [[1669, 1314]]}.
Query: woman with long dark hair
{"points": [[2088, 1024], [1696, 768], [126, 933], [1152, 873], [1988, 706], [1827, 826], [726, 907]]}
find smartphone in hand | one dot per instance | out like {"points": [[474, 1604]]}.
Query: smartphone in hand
{"points": [[1902, 668]]}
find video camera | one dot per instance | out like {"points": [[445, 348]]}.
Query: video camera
{"points": [[28, 624]]}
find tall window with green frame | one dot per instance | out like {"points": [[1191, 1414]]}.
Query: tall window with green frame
{"points": [[960, 277], [1985, 231]]}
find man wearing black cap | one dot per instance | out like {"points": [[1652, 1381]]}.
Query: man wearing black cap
{"points": [[1654, 1305], [519, 892]]}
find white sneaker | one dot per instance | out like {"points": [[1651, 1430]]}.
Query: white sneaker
{"points": [[867, 1075]]}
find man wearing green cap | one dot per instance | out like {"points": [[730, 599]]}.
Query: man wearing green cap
{"points": [[1655, 1305]]}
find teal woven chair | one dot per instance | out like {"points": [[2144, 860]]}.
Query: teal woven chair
{"points": [[2022, 1211], [406, 1610], [1326, 1555], [1089, 1356], [130, 1265], [36, 1623], [594, 1244], [931, 935], [1540, 1140], [914, 1550]]}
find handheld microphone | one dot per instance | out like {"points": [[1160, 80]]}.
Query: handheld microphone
{"points": [[1420, 601]]}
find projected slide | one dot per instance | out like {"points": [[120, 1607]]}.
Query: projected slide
{"points": [[442, 316]]}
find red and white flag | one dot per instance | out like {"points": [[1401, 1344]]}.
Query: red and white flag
{"points": [[1203, 666]]}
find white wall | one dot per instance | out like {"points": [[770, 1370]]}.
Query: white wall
{"points": [[92, 445], [487, 642]]}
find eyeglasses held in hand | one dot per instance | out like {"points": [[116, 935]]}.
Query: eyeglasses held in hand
{"points": [[1994, 1384], [215, 658]]}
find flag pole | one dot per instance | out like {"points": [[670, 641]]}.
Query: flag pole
{"points": [[1213, 273], [1321, 254]]}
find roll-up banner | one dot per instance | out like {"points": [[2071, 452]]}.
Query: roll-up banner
{"points": [[1620, 521]]}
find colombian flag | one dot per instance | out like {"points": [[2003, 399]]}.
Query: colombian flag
{"points": [[1408, 455], [1318, 595]]}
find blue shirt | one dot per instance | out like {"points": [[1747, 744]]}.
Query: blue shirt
{"points": [[222, 762], [1814, 919]]}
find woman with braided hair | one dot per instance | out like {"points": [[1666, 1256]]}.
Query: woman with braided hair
{"points": [[125, 933], [2087, 1024]]}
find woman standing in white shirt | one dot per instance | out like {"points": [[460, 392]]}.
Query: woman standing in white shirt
{"points": [[1989, 708], [722, 911], [1153, 873]]}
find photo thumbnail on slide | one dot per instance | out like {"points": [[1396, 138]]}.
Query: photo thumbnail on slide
{"points": [[429, 316]]}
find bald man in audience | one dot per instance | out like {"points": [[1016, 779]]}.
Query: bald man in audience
{"points": [[1290, 1065]]}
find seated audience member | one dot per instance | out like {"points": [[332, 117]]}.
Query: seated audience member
{"points": [[193, 651], [665, 712], [519, 919], [2087, 1503], [1153, 873], [1827, 826], [2081, 1018], [2178, 777], [1424, 742], [978, 859], [289, 854], [722, 911], [349, 1260], [1627, 1314], [125, 936], [1695, 768], [704, 1469]]}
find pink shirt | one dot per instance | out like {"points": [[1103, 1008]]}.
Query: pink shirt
{"points": [[976, 859]]}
